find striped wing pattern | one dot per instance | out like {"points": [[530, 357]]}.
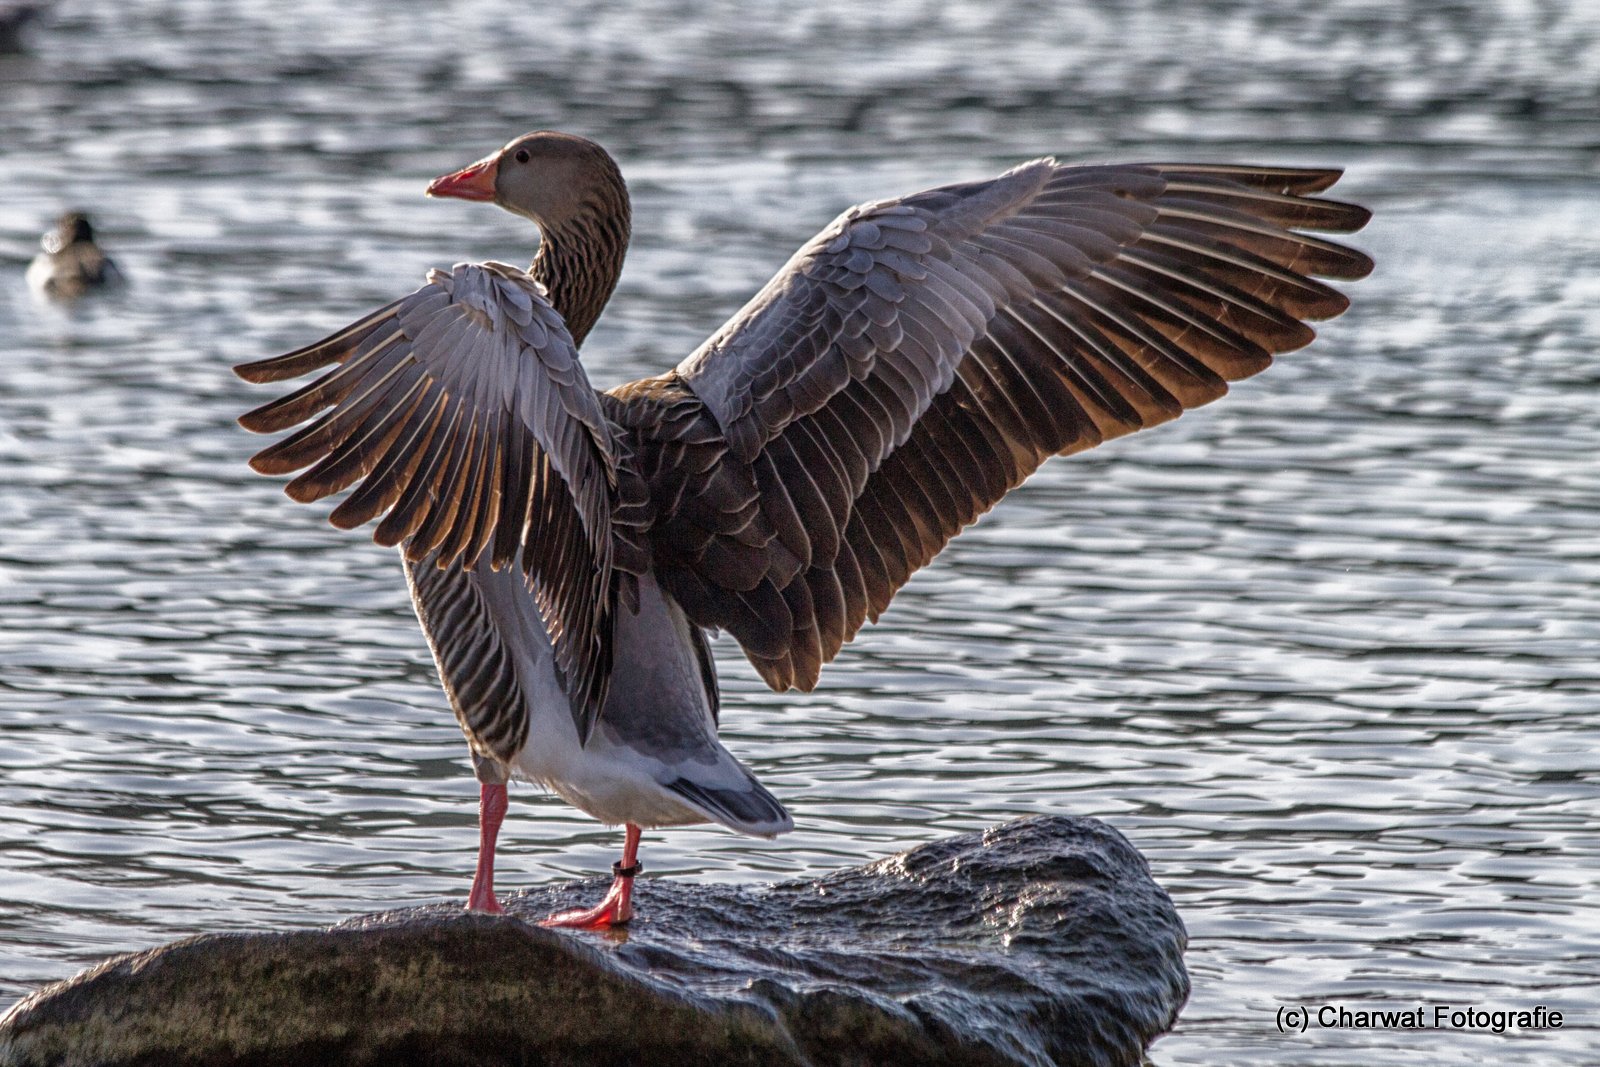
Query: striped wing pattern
{"points": [[464, 415], [922, 356], [476, 666]]}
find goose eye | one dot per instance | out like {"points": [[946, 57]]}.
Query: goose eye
{"points": [[522, 155]]}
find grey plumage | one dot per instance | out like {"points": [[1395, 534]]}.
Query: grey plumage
{"points": [[750, 810], [478, 670], [910, 364], [920, 357], [464, 413]]}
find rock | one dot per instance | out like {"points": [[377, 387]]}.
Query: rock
{"points": [[1043, 941]]}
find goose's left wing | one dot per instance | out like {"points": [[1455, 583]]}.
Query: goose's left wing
{"points": [[466, 417]]}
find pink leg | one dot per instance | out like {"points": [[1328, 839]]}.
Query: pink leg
{"points": [[491, 810], [617, 907]]}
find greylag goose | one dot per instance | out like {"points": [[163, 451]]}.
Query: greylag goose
{"points": [[70, 263], [568, 550]]}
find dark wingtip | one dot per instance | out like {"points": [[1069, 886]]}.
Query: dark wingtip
{"points": [[1348, 217], [253, 371], [253, 421], [306, 489], [1316, 179], [290, 364], [1355, 266]]}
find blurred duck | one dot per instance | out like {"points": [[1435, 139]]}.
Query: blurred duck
{"points": [[71, 263], [15, 15], [568, 550]]}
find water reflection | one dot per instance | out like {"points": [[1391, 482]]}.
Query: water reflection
{"points": [[1323, 651]]}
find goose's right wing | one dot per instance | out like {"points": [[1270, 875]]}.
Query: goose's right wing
{"points": [[922, 356]]}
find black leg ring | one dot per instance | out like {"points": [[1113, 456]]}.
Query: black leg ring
{"points": [[626, 872]]}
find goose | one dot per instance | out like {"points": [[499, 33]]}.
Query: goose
{"points": [[70, 263], [569, 550]]}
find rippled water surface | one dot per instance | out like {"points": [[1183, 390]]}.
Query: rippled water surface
{"points": [[1326, 651]]}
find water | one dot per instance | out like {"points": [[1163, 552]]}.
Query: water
{"points": [[1325, 651]]}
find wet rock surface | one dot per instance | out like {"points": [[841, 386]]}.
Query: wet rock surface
{"points": [[1042, 941]]}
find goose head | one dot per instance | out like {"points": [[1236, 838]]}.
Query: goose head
{"points": [[551, 178]]}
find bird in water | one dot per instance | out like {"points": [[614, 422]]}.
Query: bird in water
{"points": [[568, 550], [15, 15], [70, 264]]}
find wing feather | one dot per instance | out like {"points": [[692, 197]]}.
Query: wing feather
{"points": [[920, 357], [464, 415]]}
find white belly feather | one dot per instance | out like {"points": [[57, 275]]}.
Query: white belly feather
{"points": [[656, 726]]}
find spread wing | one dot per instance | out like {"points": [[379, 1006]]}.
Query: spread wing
{"points": [[922, 356], [464, 414]]}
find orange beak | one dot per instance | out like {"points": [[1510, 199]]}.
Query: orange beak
{"points": [[475, 182]]}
